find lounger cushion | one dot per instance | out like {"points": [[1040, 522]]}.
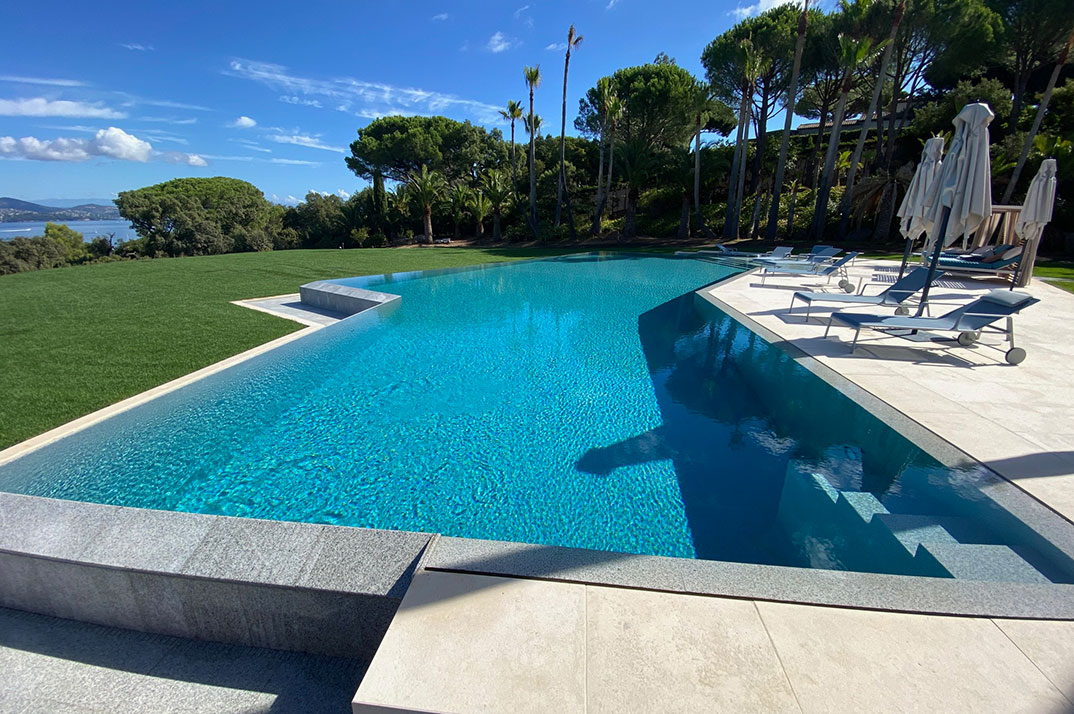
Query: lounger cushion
{"points": [[1009, 298]]}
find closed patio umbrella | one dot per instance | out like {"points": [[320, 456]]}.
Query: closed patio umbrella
{"points": [[1036, 213], [912, 210], [961, 196]]}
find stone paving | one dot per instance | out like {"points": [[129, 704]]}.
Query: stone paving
{"points": [[54, 666]]}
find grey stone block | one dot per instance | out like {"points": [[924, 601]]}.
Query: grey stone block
{"points": [[360, 560], [51, 527], [340, 298], [142, 539], [248, 550]]}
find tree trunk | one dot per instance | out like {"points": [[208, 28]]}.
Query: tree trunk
{"points": [[611, 165], [792, 93], [820, 214], [790, 210], [758, 199], [814, 159], [760, 140], [514, 163], [598, 205], [480, 229], [496, 235], [1037, 119], [741, 186], [730, 224], [561, 183], [697, 183], [533, 171], [885, 211], [630, 223], [874, 100], [428, 216], [684, 218]]}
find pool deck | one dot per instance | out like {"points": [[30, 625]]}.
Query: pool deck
{"points": [[463, 642]]}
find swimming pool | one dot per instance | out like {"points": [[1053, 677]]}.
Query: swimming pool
{"points": [[589, 401]]}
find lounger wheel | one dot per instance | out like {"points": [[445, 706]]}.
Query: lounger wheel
{"points": [[902, 310], [846, 286], [968, 338], [1015, 355]]}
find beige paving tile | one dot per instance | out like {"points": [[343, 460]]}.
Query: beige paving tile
{"points": [[1050, 645], [657, 652], [842, 660], [474, 643]]}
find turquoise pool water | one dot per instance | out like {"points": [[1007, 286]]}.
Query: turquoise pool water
{"points": [[590, 401]]}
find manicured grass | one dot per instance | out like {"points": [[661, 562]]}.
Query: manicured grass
{"points": [[73, 340]]}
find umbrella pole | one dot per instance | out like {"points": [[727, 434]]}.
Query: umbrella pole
{"points": [[944, 218], [906, 256]]}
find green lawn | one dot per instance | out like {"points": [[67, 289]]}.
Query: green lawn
{"points": [[76, 339]]}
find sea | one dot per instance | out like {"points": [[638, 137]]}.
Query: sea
{"points": [[88, 229]]}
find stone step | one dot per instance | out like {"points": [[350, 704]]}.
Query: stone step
{"points": [[910, 531], [975, 561]]}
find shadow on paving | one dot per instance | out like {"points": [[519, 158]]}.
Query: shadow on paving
{"points": [[50, 664]]}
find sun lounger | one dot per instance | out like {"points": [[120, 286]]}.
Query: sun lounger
{"points": [[780, 252], [986, 263], [968, 321], [894, 296], [820, 254], [838, 268]]}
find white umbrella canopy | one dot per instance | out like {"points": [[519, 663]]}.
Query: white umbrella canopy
{"points": [[1036, 213], [964, 185], [961, 196], [912, 210], [1040, 200]]}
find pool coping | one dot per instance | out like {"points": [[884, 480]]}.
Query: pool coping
{"points": [[719, 578]]}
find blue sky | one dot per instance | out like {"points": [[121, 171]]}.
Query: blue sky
{"points": [[97, 98]]}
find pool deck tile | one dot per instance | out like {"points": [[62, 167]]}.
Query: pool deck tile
{"points": [[477, 643], [481, 644], [841, 660]]}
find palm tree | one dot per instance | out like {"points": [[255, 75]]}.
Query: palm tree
{"points": [[611, 109], [638, 163], [750, 65], [532, 76], [561, 185], [495, 188], [426, 189], [792, 95], [844, 206], [853, 52], [458, 202], [480, 207], [513, 112]]}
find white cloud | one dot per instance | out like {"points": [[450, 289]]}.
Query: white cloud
{"points": [[310, 142], [71, 127], [611, 4], [252, 145], [111, 142], [499, 42], [43, 80], [440, 17], [741, 12], [137, 47], [519, 11], [342, 194], [556, 46], [521, 14], [41, 107], [300, 101], [166, 103], [291, 199], [354, 95], [175, 157], [167, 120], [243, 122], [294, 162]]}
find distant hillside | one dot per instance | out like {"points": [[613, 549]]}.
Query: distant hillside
{"points": [[14, 209], [72, 202]]}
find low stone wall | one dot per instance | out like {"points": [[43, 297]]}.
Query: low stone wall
{"points": [[327, 295], [292, 586]]}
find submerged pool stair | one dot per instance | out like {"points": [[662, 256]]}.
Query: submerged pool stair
{"points": [[854, 530]]}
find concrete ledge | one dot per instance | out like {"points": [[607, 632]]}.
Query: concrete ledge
{"points": [[332, 296], [871, 591], [293, 586]]}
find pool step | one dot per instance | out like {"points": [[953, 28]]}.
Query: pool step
{"points": [[977, 561], [853, 529]]}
